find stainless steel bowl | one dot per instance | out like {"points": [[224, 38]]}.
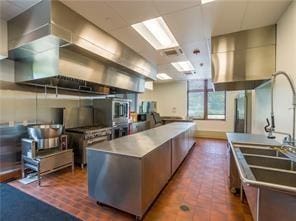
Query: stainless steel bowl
{"points": [[45, 131]]}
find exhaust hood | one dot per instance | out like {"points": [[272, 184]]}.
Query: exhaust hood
{"points": [[53, 45], [243, 60]]}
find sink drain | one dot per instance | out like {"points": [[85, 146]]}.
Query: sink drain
{"points": [[184, 208]]}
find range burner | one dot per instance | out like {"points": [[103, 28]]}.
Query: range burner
{"points": [[82, 137], [88, 129]]}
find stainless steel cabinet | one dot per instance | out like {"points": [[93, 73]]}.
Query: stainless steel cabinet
{"points": [[139, 126], [128, 183], [179, 150], [233, 175], [131, 182], [181, 145]]}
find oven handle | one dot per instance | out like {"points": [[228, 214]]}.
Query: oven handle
{"points": [[97, 140]]}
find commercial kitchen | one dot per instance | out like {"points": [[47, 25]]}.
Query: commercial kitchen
{"points": [[154, 110]]}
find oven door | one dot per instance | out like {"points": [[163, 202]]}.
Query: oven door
{"points": [[119, 131], [120, 112]]}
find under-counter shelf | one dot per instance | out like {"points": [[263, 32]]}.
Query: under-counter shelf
{"points": [[48, 163]]}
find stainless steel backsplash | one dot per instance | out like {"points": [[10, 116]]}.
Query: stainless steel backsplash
{"points": [[19, 108]]}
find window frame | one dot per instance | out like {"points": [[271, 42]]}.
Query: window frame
{"points": [[205, 90]]}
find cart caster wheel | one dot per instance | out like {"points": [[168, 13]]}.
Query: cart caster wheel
{"points": [[138, 218], [233, 190]]}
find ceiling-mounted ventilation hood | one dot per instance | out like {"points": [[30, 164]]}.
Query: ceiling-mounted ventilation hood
{"points": [[53, 45], [243, 60]]}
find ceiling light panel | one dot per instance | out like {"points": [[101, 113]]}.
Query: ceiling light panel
{"points": [[183, 66], [206, 1], [157, 33], [149, 85], [163, 76]]}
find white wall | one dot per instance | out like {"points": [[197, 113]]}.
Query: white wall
{"points": [[3, 39], [7, 70], [171, 100], [285, 61]]}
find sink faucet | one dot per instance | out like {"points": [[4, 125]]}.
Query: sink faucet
{"points": [[270, 128]]}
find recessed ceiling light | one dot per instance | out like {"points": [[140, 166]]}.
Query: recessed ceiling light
{"points": [[206, 1], [163, 76], [183, 66], [157, 33]]}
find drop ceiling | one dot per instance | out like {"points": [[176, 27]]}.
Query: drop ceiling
{"points": [[191, 23]]}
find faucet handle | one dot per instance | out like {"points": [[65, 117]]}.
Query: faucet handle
{"points": [[269, 130], [266, 128]]}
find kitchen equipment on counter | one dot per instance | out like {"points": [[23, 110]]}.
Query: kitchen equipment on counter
{"points": [[46, 150], [147, 107], [82, 137], [134, 116], [143, 117]]}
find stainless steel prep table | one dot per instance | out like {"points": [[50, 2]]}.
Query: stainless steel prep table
{"points": [[129, 172]]}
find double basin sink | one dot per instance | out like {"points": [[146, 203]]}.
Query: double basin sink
{"points": [[268, 164]]}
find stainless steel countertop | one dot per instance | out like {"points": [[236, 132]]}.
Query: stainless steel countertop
{"points": [[142, 143], [252, 139]]}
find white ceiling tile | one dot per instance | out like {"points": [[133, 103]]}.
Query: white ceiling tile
{"points": [[169, 6], [134, 11], [11, 8], [186, 25], [204, 54], [24, 4], [8, 10], [259, 14], [97, 12], [130, 37], [221, 17]]}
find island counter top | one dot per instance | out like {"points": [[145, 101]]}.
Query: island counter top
{"points": [[140, 144]]}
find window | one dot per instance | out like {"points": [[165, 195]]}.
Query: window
{"points": [[203, 102]]}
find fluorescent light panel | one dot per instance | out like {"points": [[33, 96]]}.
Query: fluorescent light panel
{"points": [[163, 76], [206, 1], [157, 33], [149, 85], [183, 66]]}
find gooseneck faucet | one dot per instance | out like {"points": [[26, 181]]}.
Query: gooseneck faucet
{"points": [[271, 128]]}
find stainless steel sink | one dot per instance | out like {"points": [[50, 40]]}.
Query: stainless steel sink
{"points": [[280, 177], [262, 151], [270, 161]]}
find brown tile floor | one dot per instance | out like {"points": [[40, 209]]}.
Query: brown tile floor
{"points": [[200, 183]]}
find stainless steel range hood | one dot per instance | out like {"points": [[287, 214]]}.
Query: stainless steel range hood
{"points": [[53, 45], [243, 60]]}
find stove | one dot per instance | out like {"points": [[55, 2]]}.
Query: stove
{"points": [[82, 137]]}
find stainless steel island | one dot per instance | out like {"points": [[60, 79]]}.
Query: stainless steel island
{"points": [[129, 172]]}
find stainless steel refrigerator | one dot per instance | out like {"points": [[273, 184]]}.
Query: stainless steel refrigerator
{"points": [[243, 112]]}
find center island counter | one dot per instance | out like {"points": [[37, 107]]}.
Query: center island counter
{"points": [[129, 172]]}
